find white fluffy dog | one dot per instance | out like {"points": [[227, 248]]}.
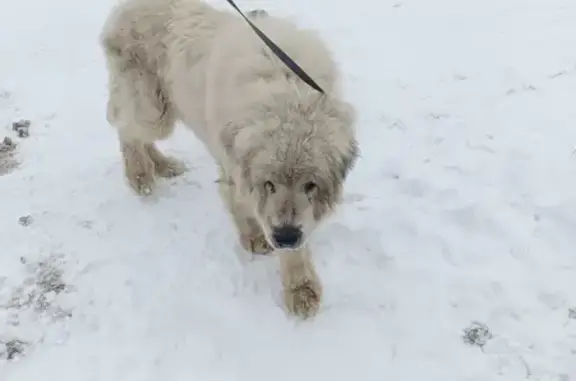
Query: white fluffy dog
{"points": [[283, 149]]}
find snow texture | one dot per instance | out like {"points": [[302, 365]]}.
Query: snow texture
{"points": [[452, 259]]}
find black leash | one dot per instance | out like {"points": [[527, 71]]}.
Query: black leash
{"points": [[279, 52]]}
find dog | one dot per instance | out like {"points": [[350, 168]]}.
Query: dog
{"points": [[283, 149]]}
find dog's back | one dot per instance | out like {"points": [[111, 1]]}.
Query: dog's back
{"points": [[241, 70], [207, 66], [237, 47], [145, 30], [220, 52]]}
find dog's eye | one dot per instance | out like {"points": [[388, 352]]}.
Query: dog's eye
{"points": [[310, 186], [269, 186]]}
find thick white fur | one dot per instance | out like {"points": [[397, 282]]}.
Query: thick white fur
{"points": [[172, 60]]}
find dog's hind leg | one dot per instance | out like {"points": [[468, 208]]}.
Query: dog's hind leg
{"points": [[302, 287], [165, 166], [139, 108]]}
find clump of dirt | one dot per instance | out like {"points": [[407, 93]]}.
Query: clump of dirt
{"points": [[25, 220], [477, 334], [22, 128]]}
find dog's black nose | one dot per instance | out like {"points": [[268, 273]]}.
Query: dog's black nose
{"points": [[286, 236]]}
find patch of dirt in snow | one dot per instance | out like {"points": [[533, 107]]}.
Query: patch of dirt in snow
{"points": [[21, 129], [8, 161], [29, 308]]}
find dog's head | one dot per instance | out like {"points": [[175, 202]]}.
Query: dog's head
{"points": [[294, 161]]}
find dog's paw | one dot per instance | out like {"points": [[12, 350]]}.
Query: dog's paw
{"points": [[169, 167], [142, 183], [256, 245], [140, 178], [138, 169], [303, 300]]}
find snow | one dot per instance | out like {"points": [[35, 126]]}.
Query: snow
{"points": [[462, 209]]}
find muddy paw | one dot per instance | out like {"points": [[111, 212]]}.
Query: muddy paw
{"points": [[169, 167], [255, 245], [303, 300]]}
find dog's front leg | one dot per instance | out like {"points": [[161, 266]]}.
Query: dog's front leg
{"points": [[302, 287], [251, 236]]}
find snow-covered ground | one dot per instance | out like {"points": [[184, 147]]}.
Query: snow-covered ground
{"points": [[462, 209]]}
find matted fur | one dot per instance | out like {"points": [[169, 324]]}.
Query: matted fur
{"points": [[283, 149]]}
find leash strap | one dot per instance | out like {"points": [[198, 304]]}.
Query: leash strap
{"points": [[289, 62]]}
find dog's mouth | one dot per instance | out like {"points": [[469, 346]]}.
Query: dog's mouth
{"points": [[287, 248]]}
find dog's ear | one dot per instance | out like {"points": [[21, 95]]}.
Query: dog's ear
{"points": [[344, 114], [227, 137], [349, 159]]}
